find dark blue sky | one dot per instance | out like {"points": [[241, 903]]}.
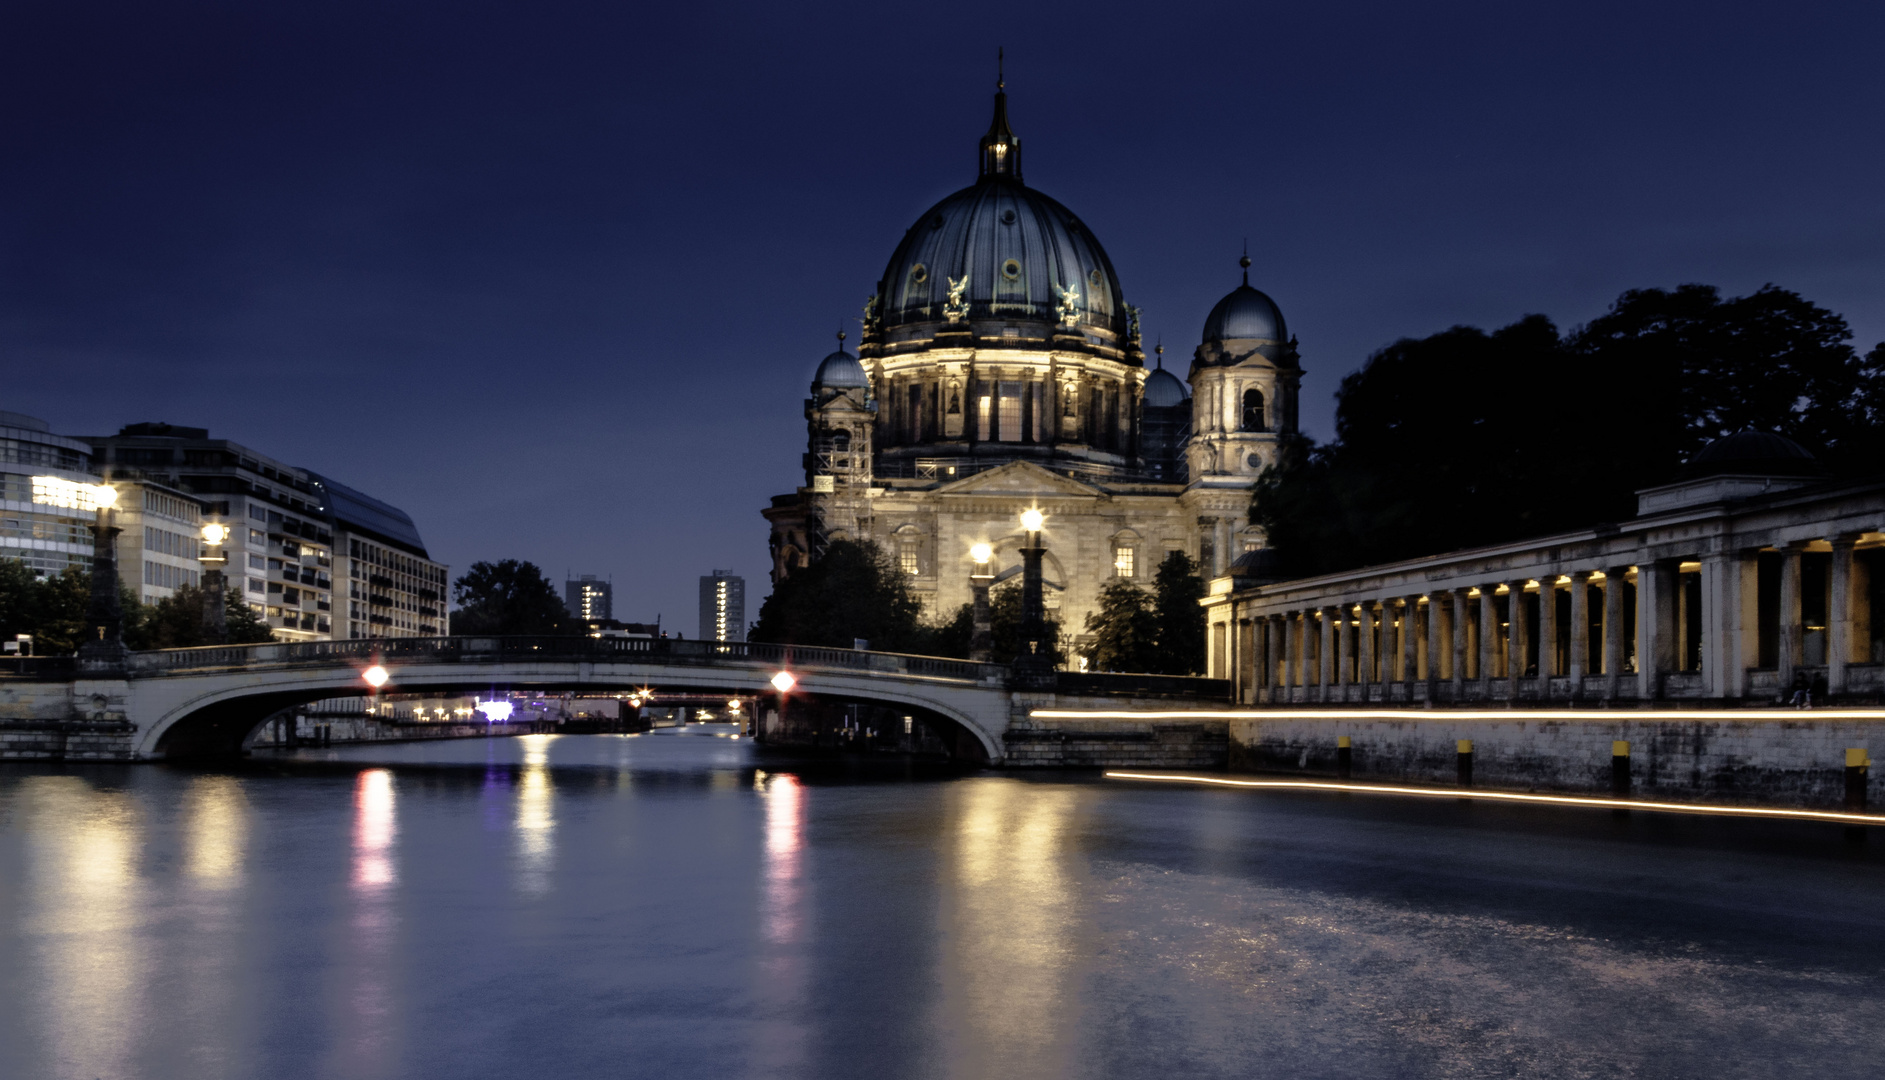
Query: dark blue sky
{"points": [[553, 277]]}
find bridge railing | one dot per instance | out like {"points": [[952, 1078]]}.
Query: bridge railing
{"points": [[671, 651]]}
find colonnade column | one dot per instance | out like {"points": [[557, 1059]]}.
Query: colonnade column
{"points": [[1288, 680], [1613, 629], [1410, 643], [1655, 625], [1387, 654], [1789, 653], [1515, 638], [1436, 645], [1325, 655], [1547, 633], [1344, 649], [1221, 555], [1839, 616], [1580, 631], [1364, 637], [1488, 635], [1459, 644], [1272, 658]]}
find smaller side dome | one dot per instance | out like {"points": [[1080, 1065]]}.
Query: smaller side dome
{"points": [[1753, 453], [1163, 390], [840, 371], [1246, 313]]}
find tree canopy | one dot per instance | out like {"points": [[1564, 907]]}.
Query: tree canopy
{"points": [[54, 610], [1468, 438], [509, 597], [850, 592], [1161, 632]]}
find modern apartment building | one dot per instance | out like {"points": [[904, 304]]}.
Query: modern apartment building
{"points": [[590, 599], [47, 533], [723, 607]]}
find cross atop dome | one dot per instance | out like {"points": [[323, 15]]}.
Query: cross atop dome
{"points": [[1001, 147]]}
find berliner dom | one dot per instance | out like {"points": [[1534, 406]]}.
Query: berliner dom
{"points": [[1001, 368]]}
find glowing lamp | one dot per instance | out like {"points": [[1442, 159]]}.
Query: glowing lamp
{"points": [[495, 711], [375, 676], [733, 705], [214, 534], [104, 495], [783, 681], [1032, 520], [981, 553]]}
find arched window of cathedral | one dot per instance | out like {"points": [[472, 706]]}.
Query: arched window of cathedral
{"points": [[1253, 411]]}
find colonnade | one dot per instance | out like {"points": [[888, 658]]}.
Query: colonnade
{"points": [[1743, 623]]}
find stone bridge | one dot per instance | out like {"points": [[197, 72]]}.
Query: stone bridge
{"points": [[205, 702]]}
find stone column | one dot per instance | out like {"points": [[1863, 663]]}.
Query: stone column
{"points": [[1388, 654], [1789, 638], [1547, 632], [1656, 583], [1516, 638], [1326, 652], [1222, 556], [1272, 658], [1839, 616], [1364, 637], [1289, 677], [1410, 642], [1613, 629], [1344, 649], [1580, 631], [1488, 635], [1436, 644], [1458, 626]]}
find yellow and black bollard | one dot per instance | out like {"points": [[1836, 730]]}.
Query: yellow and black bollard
{"points": [[1344, 756], [1620, 773], [1466, 762]]}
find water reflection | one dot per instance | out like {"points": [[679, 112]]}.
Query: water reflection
{"points": [[216, 813], [779, 1036], [367, 1017], [536, 816], [83, 913], [1010, 918]]}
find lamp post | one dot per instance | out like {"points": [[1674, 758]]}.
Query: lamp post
{"points": [[782, 682], [1032, 668], [982, 632], [104, 647], [215, 619]]}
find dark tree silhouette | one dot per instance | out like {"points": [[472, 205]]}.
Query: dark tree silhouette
{"points": [[1177, 588], [509, 597], [850, 592]]}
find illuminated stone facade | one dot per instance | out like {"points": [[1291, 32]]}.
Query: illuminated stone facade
{"points": [[1000, 368]]}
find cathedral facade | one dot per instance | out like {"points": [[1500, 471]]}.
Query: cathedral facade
{"points": [[1000, 369]]}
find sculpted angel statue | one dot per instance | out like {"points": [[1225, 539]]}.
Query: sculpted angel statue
{"points": [[1069, 305], [1132, 322], [870, 312], [956, 308]]}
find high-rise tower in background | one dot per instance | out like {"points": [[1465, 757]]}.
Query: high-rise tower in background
{"points": [[723, 607], [589, 598]]}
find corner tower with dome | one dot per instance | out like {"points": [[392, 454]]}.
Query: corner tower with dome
{"points": [[1000, 368]]}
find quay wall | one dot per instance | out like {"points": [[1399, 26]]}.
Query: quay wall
{"points": [[1033, 742], [1790, 758]]}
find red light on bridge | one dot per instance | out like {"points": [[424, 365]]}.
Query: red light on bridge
{"points": [[783, 681], [375, 676]]}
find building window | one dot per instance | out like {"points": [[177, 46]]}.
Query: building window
{"points": [[1122, 561], [906, 560], [1008, 423], [1253, 411], [983, 406]]}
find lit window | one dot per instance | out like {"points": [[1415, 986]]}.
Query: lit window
{"points": [[907, 559], [1122, 561], [1010, 417]]}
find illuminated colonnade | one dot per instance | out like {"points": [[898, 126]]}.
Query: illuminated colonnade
{"points": [[1722, 588]]}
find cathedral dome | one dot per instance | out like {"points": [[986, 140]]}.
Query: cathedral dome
{"points": [[840, 371], [1245, 314], [1163, 390], [1753, 453], [1014, 254]]}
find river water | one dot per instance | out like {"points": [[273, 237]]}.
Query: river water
{"points": [[687, 906]]}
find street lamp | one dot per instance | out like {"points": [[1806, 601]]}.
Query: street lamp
{"points": [[782, 682], [106, 614], [215, 623], [375, 676], [1032, 667], [982, 632]]}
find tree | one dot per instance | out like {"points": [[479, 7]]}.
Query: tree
{"points": [[176, 622], [952, 636], [850, 592], [509, 597], [1466, 438], [1124, 628], [1178, 618]]}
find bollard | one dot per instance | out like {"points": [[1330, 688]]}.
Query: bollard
{"points": [[1857, 763], [1344, 756], [1620, 767], [1465, 747]]}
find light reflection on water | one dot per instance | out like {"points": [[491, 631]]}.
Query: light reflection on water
{"points": [[607, 906]]}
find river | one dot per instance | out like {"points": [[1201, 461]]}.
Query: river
{"points": [[691, 906]]}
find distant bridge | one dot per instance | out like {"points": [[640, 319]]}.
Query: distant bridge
{"points": [[204, 702]]}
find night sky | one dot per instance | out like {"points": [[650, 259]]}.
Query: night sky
{"points": [[553, 278]]}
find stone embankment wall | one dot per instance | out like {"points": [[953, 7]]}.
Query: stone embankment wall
{"points": [[1032, 742], [1771, 758]]}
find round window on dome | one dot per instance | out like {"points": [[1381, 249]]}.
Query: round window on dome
{"points": [[919, 273], [1254, 461], [1093, 277], [1011, 270], [1007, 217]]}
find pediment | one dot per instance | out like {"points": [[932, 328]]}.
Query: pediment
{"points": [[1021, 479]]}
